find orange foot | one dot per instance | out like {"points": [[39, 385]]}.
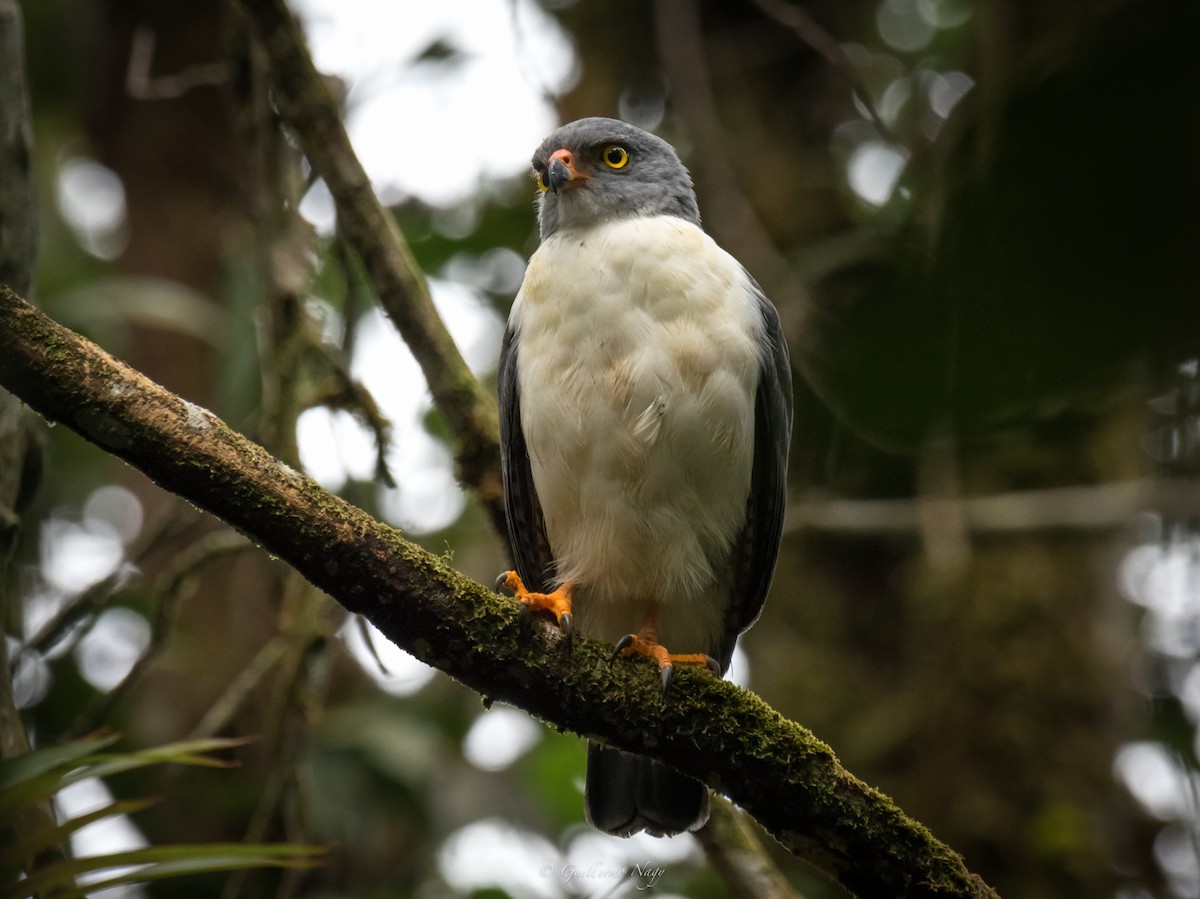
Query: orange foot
{"points": [[557, 603], [646, 644]]}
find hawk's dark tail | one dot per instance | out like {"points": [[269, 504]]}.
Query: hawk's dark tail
{"points": [[626, 793]]}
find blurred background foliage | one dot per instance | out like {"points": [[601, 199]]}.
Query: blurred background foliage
{"points": [[978, 219]]}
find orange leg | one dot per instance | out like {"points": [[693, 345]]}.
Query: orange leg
{"points": [[645, 643], [557, 603]]}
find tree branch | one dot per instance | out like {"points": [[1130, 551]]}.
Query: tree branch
{"points": [[309, 109], [734, 850], [1083, 507], [773, 768]]}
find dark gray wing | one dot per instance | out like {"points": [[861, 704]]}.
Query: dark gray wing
{"points": [[526, 528], [757, 547]]}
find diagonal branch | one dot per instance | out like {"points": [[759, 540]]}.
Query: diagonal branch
{"points": [[735, 851], [309, 109], [773, 768]]}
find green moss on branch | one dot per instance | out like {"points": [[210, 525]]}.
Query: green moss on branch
{"points": [[773, 768]]}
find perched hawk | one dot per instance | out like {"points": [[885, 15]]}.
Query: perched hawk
{"points": [[645, 416]]}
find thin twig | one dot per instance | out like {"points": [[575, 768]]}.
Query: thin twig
{"points": [[1091, 507], [221, 712], [349, 394], [287, 716], [95, 597], [338, 360], [310, 110], [167, 592], [142, 84]]}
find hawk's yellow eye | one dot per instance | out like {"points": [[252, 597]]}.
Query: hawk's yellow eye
{"points": [[541, 182], [616, 157]]}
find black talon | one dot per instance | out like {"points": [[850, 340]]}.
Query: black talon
{"points": [[568, 626], [665, 672], [713, 665], [502, 585], [624, 643]]}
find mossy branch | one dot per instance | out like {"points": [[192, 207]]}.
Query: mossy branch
{"points": [[307, 106], [773, 768]]}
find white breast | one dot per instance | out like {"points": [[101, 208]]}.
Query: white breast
{"points": [[637, 353]]}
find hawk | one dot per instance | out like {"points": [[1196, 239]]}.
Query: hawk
{"points": [[645, 418]]}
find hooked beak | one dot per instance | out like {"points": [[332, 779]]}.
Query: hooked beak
{"points": [[561, 172]]}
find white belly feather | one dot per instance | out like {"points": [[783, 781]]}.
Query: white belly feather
{"points": [[638, 364]]}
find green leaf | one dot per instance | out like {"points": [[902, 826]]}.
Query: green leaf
{"points": [[29, 846], [182, 753], [37, 776], [162, 862], [24, 768]]}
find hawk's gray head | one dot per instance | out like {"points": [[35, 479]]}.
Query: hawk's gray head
{"points": [[595, 170]]}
